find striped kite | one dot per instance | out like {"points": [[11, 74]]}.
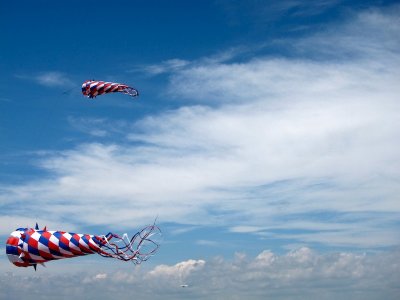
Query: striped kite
{"points": [[93, 88], [28, 247]]}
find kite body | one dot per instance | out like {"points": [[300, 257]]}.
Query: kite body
{"points": [[93, 88], [29, 247]]}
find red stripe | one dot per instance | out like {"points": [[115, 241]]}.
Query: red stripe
{"points": [[53, 246], [76, 252], [12, 241], [64, 240], [107, 87], [45, 255], [32, 242], [24, 264], [46, 235]]}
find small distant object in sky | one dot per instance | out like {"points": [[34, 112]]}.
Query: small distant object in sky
{"points": [[29, 247], [184, 285], [93, 88]]}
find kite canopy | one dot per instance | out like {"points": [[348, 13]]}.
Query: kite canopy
{"points": [[93, 88]]}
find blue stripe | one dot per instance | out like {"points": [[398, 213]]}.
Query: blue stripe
{"points": [[12, 250], [97, 241], [44, 241], [54, 252], [85, 240], [63, 246], [33, 250], [74, 241]]}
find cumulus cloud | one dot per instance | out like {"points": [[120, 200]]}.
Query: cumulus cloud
{"points": [[298, 274], [94, 278], [180, 271], [290, 148]]}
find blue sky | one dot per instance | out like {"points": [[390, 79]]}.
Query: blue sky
{"points": [[265, 142]]}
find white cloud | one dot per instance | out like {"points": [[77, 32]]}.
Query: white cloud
{"points": [[167, 66], [53, 79], [182, 269], [175, 65], [50, 79], [101, 276], [93, 278], [97, 127], [370, 34]]}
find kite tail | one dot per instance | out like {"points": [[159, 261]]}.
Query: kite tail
{"points": [[131, 91], [137, 249]]}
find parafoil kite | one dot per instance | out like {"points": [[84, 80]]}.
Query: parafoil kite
{"points": [[93, 88], [29, 247]]}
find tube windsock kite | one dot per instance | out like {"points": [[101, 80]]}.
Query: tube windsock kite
{"points": [[93, 88], [29, 247]]}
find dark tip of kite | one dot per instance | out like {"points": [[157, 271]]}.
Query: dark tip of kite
{"points": [[37, 226]]}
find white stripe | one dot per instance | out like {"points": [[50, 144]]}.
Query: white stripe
{"points": [[36, 257], [67, 235], [73, 246], [36, 236], [43, 248], [65, 251], [54, 240], [82, 242]]}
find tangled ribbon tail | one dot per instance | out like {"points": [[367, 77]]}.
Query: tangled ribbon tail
{"points": [[131, 92], [137, 249]]}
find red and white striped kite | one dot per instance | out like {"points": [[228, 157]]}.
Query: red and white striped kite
{"points": [[93, 88]]}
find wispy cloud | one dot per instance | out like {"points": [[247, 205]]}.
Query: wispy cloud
{"points": [[369, 35], [208, 243], [49, 79], [93, 126], [53, 79], [175, 65], [262, 13], [298, 274], [167, 66]]}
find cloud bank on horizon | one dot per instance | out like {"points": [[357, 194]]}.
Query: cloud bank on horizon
{"points": [[292, 148], [297, 274]]}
